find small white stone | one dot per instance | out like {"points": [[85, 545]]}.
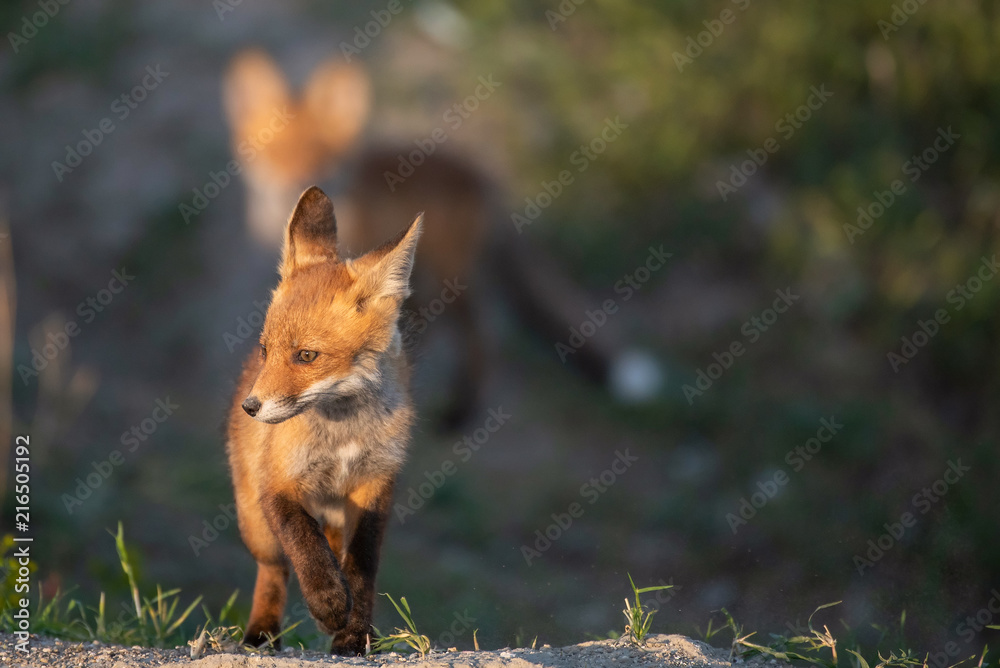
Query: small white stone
{"points": [[636, 377]]}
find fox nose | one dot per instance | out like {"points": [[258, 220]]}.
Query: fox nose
{"points": [[251, 405]]}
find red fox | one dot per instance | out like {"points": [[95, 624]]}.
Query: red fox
{"points": [[327, 120], [328, 394]]}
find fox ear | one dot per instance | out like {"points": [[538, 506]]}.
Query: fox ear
{"points": [[337, 98], [385, 271], [311, 236], [253, 88]]}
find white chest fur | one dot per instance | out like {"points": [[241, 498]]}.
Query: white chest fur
{"points": [[341, 452], [325, 470]]}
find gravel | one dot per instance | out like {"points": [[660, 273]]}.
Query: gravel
{"points": [[53, 652], [660, 650]]}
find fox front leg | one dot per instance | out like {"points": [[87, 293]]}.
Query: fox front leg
{"points": [[367, 511], [323, 584], [269, 595]]}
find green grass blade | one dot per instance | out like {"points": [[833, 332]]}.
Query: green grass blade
{"points": [[862, 663], [648, 589], [228, 606], [822, 607], [173, 627]]}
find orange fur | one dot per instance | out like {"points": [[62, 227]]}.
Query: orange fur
{"points": [[327, 119], [314, 446]]}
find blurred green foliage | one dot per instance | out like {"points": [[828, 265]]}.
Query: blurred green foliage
{"points": [[892, 94]]}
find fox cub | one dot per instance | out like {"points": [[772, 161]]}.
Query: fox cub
{"points": [[325, 125], [319, 426]]}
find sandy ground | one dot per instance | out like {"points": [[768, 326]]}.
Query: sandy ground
{"points": [[660, 650]]}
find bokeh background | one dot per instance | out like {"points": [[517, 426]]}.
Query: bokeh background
{"points": [[899, 74]]}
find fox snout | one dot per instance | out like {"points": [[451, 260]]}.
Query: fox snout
{"points": [[251, 405], [270, 405], [272, 410]]}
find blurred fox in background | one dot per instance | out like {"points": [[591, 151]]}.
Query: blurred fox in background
{"points": [[320, 137]]}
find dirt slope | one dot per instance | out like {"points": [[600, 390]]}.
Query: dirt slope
{"points": [[660, 650]]}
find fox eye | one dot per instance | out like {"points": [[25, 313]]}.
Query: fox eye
{"points": [[307, 355]]}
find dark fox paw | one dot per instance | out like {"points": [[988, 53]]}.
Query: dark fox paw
{"points": [[330, 607], [348, 643]]}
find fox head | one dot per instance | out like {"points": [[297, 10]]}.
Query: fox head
{"points": [[285, 142], [332, 323]]}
